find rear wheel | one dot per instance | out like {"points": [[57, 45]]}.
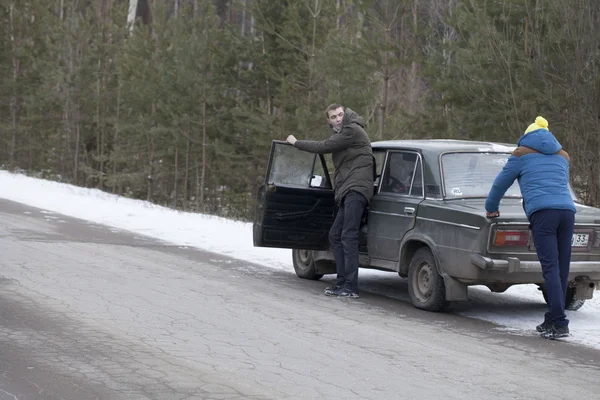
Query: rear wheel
{"points": [[304, 265], [425, 285], [571, 301]]}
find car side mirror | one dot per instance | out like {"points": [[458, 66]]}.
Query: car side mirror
{"points": [[316, 181]]}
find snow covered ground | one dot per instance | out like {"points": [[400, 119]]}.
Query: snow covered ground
{"points": [[517, 310]]}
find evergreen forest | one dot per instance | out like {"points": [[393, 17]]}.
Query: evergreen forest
{"points": [[177, 101]]}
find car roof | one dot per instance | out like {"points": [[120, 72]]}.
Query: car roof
{"points": [[444, 145]]}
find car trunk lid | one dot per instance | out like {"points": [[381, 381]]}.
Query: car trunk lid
{"points": [[510, 234]]}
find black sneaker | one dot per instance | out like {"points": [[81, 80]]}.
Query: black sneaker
{"points": [[544, 326], [345, 292], [556, 332], [333, 290]]}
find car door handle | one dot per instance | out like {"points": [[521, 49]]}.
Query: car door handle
{"points": [[409, 210]]}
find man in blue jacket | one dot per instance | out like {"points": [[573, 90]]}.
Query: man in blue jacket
{"points": [[542, 168]]}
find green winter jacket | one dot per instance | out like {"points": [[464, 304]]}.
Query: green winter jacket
{"points": [[352, 156]]}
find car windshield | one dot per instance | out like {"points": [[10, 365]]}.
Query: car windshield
{"points": [[472, 174]]}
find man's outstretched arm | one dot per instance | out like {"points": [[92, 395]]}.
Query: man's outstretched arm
{"points": [[336, 142], [503, 181]]}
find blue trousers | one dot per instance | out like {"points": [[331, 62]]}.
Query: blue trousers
{"points": [[552, 231], [343, 237]]}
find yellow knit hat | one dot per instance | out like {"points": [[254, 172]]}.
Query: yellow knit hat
{"points": [[540, 123]]}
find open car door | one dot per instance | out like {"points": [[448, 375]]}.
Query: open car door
{"points": [[295, 204]]}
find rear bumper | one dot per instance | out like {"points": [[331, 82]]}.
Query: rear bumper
{"points": [[513, 265]]}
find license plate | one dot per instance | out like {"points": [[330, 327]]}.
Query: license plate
{"points": [[580, 240]]}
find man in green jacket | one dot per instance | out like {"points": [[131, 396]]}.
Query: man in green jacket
{"points": [[353, 183]]}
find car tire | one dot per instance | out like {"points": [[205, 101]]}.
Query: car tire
{"points": [[305, 265], [425, 285], [571, 301]]}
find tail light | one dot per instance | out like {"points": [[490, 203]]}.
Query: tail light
{"points": [[511, 237]]}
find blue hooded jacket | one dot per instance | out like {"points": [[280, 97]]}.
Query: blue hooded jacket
{"points": [[543, 175]]}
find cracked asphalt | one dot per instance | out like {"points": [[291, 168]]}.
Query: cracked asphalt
{"points": [[89, 312]]}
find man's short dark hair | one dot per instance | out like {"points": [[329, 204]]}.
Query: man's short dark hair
{"points": [[333, 107]]}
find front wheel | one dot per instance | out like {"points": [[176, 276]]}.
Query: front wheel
{"points": [[425, 285], [304, 265]]}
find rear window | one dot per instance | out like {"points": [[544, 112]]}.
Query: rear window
{"points": [[473, 174]]}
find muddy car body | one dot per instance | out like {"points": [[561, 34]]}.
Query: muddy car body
{"points": [[426, 221]]}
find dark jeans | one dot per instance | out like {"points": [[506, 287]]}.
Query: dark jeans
{"points": [[344, 239], [552, 231]]}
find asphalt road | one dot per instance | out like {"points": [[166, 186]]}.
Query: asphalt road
{"points": [[88, 312]]}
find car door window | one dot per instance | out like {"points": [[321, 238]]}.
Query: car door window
{"points": [[398, 174], [292, 167], [319, 176], [379, 161], [417, 184]]}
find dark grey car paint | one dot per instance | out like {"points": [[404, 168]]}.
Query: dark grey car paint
{"points": [[456, 229]]}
